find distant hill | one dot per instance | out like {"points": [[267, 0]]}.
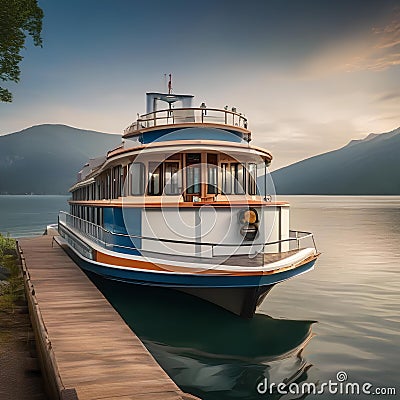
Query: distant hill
{"points": [[363, 167], [45, 159]]}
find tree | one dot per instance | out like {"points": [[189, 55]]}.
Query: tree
{"points": [[18, 19]]}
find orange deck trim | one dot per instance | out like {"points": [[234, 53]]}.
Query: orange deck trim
{"points": [[146, 265]]}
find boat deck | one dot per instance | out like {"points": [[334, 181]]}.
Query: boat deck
{"points": [[87, 350], [243, 260], [259, 259]]}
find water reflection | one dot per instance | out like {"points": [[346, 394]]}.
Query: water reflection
{"points": [[206, 350]]}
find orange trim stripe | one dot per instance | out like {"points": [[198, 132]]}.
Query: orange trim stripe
{"points": [[146, 265]]}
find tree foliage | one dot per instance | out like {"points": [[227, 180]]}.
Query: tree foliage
{"points": [[18, 19]]}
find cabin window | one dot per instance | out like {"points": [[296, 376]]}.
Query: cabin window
{"points": [[122, 181], [212, 159], [212, 179], [108, 185], [212, 174], [193, 158], [155, 179], [240, 178], [193, 180], [104, 183], [116, 186], [98, 190], [137, 172], [193, 173], [252, 182], [172, 178], [103, 186], [90, 192], [232, 171], [233, 178], [226, 179]]}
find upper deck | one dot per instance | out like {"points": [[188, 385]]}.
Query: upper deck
{"points": [[221, 124]]}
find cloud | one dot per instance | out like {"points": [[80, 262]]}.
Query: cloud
{"points": [[375, 49], [385, 52], [373, 62], [389, 96], [389, 36], [291, 140]]}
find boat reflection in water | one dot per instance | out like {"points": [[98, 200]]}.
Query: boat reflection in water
{"points": [[206, 350]]}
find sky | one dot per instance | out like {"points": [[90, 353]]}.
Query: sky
{"points": [[309, 75]]}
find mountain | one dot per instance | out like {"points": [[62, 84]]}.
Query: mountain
{"points": [[45, 159], [363, 167]]}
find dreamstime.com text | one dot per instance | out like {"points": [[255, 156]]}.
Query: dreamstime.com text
{"points": [[340, 386]]}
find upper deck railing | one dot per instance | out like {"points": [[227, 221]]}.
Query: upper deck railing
{"points": [[176, 116]]}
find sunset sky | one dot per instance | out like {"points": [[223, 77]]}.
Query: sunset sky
{"points": [[309, 75]]}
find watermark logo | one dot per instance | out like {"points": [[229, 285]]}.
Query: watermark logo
{"points": [[339, 386]]}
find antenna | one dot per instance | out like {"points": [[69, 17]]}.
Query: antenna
{"points": [[170, 84]]}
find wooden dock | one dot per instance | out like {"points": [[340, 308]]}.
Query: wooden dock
{"points": [[86, 349]]}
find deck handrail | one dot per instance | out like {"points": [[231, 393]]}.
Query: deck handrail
{"points": [[93, 231], [194, 115]]}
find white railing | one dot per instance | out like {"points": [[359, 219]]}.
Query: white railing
{"points": [[176, 116], [108, 239]]}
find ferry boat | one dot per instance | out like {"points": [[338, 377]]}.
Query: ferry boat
{"points": [[184, 203]]}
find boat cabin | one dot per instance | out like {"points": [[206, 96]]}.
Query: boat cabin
{"points": [[180, 157]]}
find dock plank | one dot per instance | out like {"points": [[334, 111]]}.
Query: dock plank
{"points": [[95, 352]]}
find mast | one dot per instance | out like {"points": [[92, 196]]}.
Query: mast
{"points": [[170, 84]]}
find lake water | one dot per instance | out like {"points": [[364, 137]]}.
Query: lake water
{"points": [[343, 316], [29, 215]]}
